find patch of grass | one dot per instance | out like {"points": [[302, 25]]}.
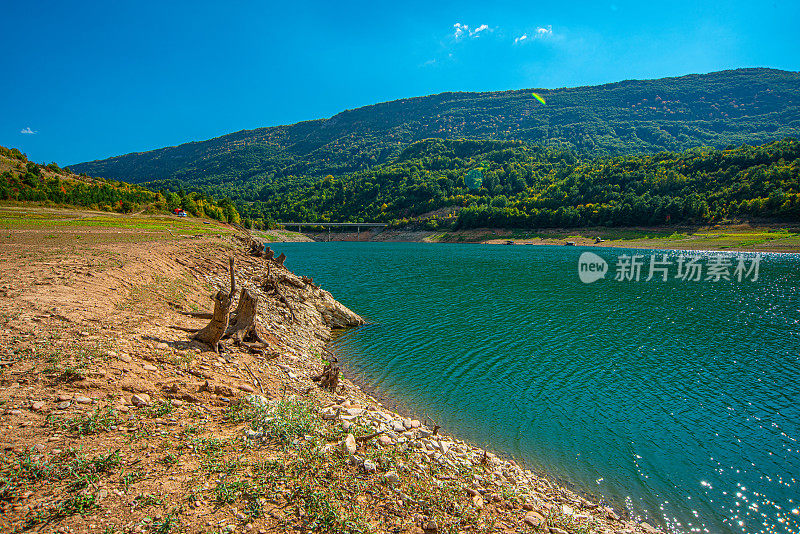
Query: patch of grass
{"points": [[83, 471], [281, 422], [159, 409], [229, 492], [79, 504], [208, 446], [222, 466], [147, 499], [102, 419], [166, 525], [568, 523], [169, 459], [320, 514], [131, 477]]}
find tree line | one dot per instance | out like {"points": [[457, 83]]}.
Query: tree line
{"points": [[24, 180], [472, 183]]}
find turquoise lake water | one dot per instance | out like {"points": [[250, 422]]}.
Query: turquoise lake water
{"points": [[677, 399]]}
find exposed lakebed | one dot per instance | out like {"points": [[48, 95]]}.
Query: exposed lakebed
{"points": [[678, 399]]}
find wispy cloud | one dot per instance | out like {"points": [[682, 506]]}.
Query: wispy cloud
{"points": [[541, 32], [463, 30], [27, 130]]}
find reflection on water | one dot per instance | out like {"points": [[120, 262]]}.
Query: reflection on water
{"points": [[679, 399]]}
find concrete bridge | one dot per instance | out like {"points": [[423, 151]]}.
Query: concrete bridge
{"points": [[329, 225]]}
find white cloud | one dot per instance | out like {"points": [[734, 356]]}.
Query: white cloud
{"points": [[541, 32], [464, 29], [27, 130], [479, 29], [461, 29]]}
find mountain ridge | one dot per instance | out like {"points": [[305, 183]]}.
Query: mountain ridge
{"points": [[743, 106]]}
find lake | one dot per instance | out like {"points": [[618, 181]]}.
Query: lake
{"points": [[678, 400]]}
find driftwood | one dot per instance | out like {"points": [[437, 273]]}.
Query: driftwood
{"points": [[258, 380], [214, 330], [280, 259]]}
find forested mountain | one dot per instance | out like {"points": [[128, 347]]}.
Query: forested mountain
{"points": [[721, 109], [441, 183], [23, 180]]}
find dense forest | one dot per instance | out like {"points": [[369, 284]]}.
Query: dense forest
{"points": [[24, 180], [745, 106], [471, 183]]}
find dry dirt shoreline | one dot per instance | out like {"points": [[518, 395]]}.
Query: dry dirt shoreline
{"points": [[775, 238], [117, 422]]}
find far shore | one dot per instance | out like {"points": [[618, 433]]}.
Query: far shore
{"points": [[743, 237]]}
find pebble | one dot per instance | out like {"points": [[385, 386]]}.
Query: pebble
{"points": [[148, 367], [125, 358], [370, 466], [385, 440], [348, 445], [246, 388], [80, 399], [36, 406], [141, 399], [533, 519], [392, 477], [162, 346]]}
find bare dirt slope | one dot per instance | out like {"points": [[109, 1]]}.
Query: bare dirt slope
{"points": [[114, 420]]}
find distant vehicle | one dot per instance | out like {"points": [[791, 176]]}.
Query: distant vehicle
{"points": [[570, 244], [509, 242], [181, 213]]}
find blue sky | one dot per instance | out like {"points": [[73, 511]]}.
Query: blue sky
{"points": [[86, 80]]}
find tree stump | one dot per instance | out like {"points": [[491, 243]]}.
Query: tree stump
{"points": [[280, 259], [329, 378], [244, 326], [215, 329]]}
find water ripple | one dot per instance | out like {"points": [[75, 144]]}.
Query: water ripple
{"points": [[678, 400]]}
